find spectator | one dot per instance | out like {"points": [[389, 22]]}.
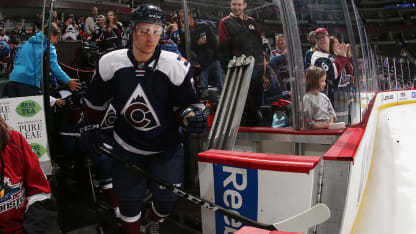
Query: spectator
{"points": [[170, 29], [3, 36], [308, 53], [345, 75], [15, 32], [317, 109], [205, 45], [280, 45], [322, 58], [91, 21], [70, 29], [23, 34], [26, 76], [280, 65], [25, 193], [98, 34], [55, 18], [239, 34], [81, 24], [112, 33]]}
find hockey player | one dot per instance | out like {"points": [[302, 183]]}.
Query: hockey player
{"points": [[153, 96], [25, 195]]}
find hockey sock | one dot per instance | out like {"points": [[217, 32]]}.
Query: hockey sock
{"points": [[154, 215], [131, 225], [109, 193]]}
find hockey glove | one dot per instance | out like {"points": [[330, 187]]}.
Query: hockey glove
{"points": [[90, 136], [196, 122]]}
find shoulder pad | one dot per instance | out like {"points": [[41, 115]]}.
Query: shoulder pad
{"points": [[174, 66], [112, 62]]}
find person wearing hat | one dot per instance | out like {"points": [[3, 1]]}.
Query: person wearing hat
{"points": [[322, 58], [153, 96], [308, 53]]}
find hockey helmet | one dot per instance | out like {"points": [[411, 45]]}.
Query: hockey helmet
{"points": [[146, 13]]}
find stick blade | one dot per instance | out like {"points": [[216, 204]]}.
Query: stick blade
{"points": [[309, 218]]}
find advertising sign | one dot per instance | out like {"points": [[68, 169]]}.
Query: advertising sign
{"points": [[235, 189], [26, 115]]}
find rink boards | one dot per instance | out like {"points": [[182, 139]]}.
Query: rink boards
{"points": [[264, 187], [378, 178]]}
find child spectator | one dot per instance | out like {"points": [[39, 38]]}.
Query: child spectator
{"points": [[317, 108]]}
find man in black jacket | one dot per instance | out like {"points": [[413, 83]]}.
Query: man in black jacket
{"points": [[204, 44], [239, 34]]}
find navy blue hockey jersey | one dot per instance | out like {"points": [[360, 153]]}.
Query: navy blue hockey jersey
{"points": [[327, 62], [144, 96]]}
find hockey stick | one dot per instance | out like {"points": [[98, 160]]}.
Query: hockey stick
{"points": [[309, 218]]}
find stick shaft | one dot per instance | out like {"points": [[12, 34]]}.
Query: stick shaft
{"points": [[192, 198]]}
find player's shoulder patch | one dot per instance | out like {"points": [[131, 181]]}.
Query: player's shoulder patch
{"points": [[113, 61], [174, 66]]}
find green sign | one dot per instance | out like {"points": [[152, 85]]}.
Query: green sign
{"points": [[38, 149], [28, 108]]}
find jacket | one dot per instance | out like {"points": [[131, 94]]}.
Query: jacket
{"points": [[27, 64], [26, 186]]}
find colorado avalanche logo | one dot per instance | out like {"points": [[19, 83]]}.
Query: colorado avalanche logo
{"points": [[109, 118], [139, 112], [344, 78]]}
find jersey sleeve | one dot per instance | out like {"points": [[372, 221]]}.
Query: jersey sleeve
{"points": [[185, 94], [36, 185], [56, 69], [99, 93]]}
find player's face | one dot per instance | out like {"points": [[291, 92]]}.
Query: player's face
{"points": [[238, 6], [322, 83], [322, 41], [146, 37]]}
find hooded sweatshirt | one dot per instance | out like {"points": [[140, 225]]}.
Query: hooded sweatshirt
{"points": [[27, 64]]}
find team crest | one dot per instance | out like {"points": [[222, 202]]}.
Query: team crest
{"points": [[13, 196], [109, 118], [344, 78], [251, 27], [139, 112]]}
